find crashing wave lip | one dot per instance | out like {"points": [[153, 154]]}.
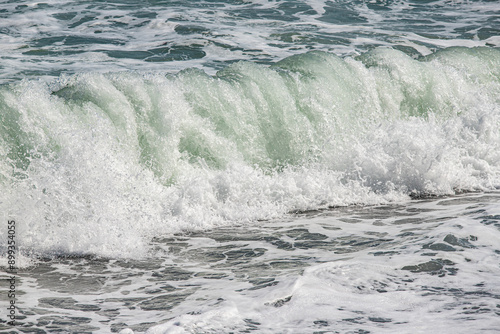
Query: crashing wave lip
{"points": [[101, 163]]}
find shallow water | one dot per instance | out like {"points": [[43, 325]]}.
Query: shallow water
{"points": [[427, 265]]}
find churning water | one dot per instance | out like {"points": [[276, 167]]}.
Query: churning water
{"points": [[251, 166]]}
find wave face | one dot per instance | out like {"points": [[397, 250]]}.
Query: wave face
{"points": [[101, 163]]}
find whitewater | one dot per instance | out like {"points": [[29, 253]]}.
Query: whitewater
{"points": [[251, 166]]}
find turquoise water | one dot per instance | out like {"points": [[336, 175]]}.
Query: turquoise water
{"points": [[267, 166]]}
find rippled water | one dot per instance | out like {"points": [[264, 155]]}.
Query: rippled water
{"points": [[41, 39], [429, 265]]}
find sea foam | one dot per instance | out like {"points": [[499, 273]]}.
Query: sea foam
{"points": [[101, 163]]}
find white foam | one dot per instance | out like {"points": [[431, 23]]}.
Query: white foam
{"points": [[359, 291], [116, 159]]}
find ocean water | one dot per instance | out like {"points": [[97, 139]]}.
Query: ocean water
{"points": [[250, 166]]}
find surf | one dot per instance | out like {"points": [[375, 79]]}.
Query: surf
{"points": [[100, 164]]}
